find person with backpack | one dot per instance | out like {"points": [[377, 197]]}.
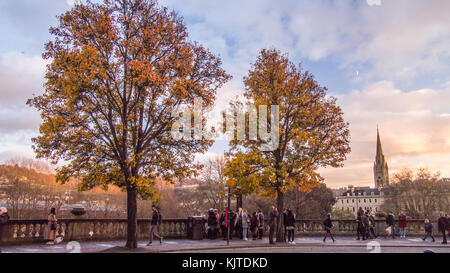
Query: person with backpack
{"points": [[428, 230], [154, 226], [290, 226], [261, 224], [328, 225], [402, 224], [390, 225], [4, 218]]}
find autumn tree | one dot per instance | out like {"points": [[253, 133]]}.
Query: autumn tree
{"points": [[312, 130], [421, 194], [118, 71]]}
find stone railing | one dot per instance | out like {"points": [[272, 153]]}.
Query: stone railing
{"points": [[32, 231], [348, 227]]}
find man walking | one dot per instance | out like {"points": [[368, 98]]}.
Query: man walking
{"points": [[328, 225], [273, 219], [390, 223], [154, 226]]}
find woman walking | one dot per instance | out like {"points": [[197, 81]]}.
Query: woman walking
{"points": [[328, 225], [290, 226], [402, 224], [254, 225], [50, 230]]}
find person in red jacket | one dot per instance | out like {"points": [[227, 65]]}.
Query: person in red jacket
{"points": [[402, 224]]}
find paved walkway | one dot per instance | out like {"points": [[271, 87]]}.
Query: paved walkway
{"points": [[310, 245]]}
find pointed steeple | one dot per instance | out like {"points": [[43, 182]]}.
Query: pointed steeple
{"points": [[380, 167], [379, 156]]}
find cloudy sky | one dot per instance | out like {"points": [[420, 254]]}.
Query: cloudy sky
{"points": [[387, 61]]}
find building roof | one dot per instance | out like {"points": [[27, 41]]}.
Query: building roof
{"points": [[363, 191]]}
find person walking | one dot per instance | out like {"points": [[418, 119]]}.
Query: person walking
{"points": [[372, 226], [290, 226], [273, 218], [402, 224], [4, 218], [261, 224], [360, 231], [217, 229], [154, 226], [245, 222], [254, 225], [212, 223], [223, 224], [328, 225], [238, 224], [443, 226], [390, 221], [50, 229], [428, 230], [366, 223]]}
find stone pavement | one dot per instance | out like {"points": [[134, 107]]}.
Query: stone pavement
{"points": [[303, 245]]}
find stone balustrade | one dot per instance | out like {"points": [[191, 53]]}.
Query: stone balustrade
{"points": [[32, 231]]}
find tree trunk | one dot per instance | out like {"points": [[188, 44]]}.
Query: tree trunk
{"points": [[132, 219], [239, 202], [280, 226]]}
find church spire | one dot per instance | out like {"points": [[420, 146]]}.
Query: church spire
{"points": [[380, 167], [379, 156]]}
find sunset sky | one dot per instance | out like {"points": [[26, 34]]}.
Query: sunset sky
{"points": [[387, 63]]}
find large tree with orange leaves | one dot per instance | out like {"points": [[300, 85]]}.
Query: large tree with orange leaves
{"points": [[312, 131], [118, 70]]}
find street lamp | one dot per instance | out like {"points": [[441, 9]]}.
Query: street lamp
{"points": [[228, 214]]}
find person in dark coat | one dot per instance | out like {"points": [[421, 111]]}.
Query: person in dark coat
{"points": [[290, 226], [366, 223], [372, 226], [328, 225], [238, 224], [154, 226], [223, 224], [212, 224], [261, 224], [254, 225], [443, 226], [4, 218], [428, 230], [273, 219], [390, 223], [360, 230]]}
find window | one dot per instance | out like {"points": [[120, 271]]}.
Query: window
{"points": [[353, 200], [347, 201], [370, 200], [342, 201], [353, 209], [364, 200], [375, 200]]}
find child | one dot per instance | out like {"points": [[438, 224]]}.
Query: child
{"points": [[428, 230]]}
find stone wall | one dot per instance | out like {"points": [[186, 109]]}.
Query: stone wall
{"points": [[32, 231]]}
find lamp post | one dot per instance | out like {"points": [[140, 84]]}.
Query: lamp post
{"points": [[228, 214]]}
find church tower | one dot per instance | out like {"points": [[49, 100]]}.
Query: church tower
{"points": [[380, 167]]}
